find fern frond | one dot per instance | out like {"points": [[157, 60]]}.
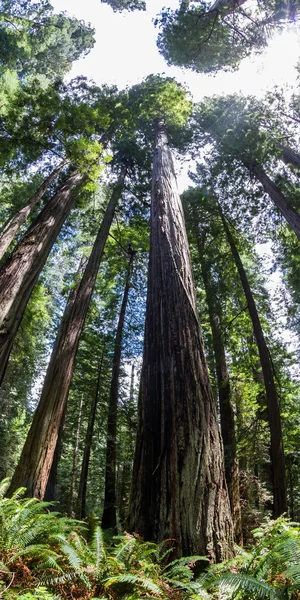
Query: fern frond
{"points": [[234, 582], [138, 580], [97, 545]]}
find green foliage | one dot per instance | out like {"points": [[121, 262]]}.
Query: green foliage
{"points": [[208, 38], [31, 538], [32, 38], [120, 5], [38, 547], [270, 569]]}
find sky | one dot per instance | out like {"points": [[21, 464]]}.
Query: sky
{"points": [[125, 52]]}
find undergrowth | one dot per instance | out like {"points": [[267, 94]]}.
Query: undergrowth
{"points": [[45, 556]]}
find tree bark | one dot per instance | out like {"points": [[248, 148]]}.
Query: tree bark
{"points": [[290, 157], [224, 392], [179, 488], [277, 452], [81, 501], [20, 272], [277, 196], [109, 517], [36, 459], [13, 226]]}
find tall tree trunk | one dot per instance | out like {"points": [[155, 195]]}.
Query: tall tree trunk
{"points": [[290, 157], [179, 489], [226, 408], [36, 459], [277, 452], [50, 493], [13, 226], [109, 517], [75, 456], [20, 272], [81, 501], [126, 469], [277, 196]]}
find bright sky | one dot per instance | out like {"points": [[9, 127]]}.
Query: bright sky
{"points": [[125, 53]]}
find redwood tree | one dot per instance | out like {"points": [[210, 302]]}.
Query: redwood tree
{"points": [[109, 517], [277, 451], [20, 272], [179, 489], [35, 463], [13, 226], [224, 393]]}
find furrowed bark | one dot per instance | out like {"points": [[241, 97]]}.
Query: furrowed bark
{"points": [[278, 197], [20, 272], [109, 517], [277, 452], [179, 489], [224, 392], [36, 459], [81, 501], [13, 226]]}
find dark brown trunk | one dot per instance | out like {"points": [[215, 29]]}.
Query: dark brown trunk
{"points": [[277, 452], [19, 274], [109, 517], [14, 225], [290, 157], [278, 198], [179, 489], [36, 459], [226, 408], [75, 456], [81, 502], [50, 493]]}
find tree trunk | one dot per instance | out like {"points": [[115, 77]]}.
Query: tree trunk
{"points": [[109, 517], [13, 226], [81, 501], [179, 489], [277, 452], [19, 274], [278, 198], [36, 459], [126, 464], [290, 157], [75, 455], [226, 408], [50, 493]]}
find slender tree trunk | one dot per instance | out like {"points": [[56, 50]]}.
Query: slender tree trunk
{"points": [[75, 456], [13, 226], [224, 392], [81, 501], [50, 493], [277, 452], [19, 274], [278, 198], [109, 517], [126, 468], [36, 459], [179, 489], [290, 157]]}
